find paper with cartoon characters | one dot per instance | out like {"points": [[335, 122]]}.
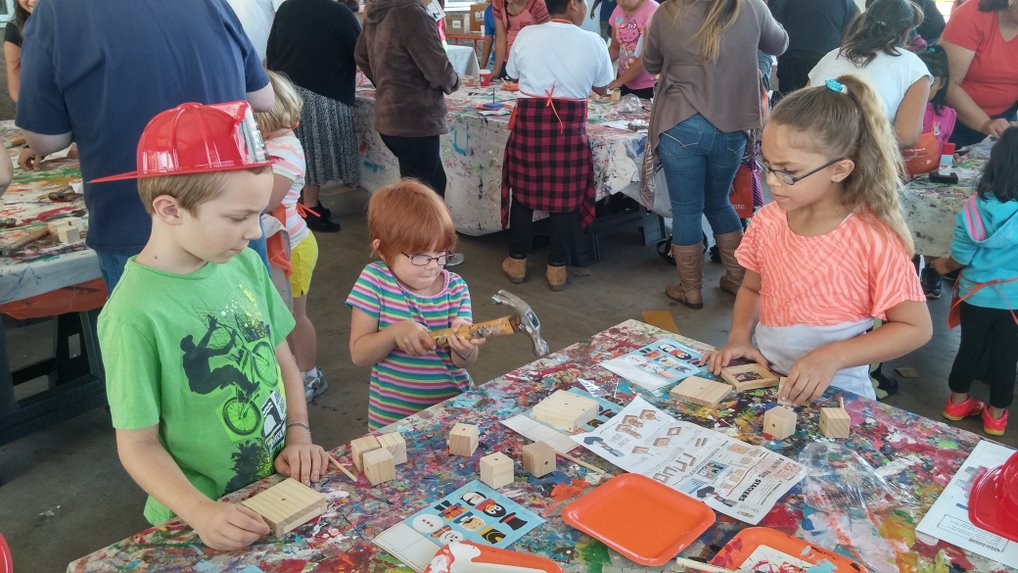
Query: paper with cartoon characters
{"points": [[474, 512], [733, 477], [657, 365]]}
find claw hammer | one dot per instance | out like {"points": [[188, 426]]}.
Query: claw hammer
{"points": [[523, 319]]}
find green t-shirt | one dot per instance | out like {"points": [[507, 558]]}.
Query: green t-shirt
{"points": [[195, 354]]}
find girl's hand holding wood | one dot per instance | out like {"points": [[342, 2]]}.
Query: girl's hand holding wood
{"points": [[720, 358], [809, 377]]}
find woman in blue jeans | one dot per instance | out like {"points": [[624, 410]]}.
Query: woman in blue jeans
{"points": [[706, 99]]}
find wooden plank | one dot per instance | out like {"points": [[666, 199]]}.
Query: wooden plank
{"points": [[287, 505], [749, 377], [701, 391]]}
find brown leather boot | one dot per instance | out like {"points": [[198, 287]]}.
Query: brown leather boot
{"points": [[556, 277], [689, 262], [515, 270], [727, 243]]}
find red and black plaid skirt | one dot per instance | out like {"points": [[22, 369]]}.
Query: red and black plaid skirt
{"points": [[548, 165]]}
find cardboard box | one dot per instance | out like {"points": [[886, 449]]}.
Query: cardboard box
{"points": [[477, 17], [457, 23]]}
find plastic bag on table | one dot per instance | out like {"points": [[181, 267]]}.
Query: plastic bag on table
{"points": [[629, 104], [840, 481]]}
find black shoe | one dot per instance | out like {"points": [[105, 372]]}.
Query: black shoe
{"points": [[323, 211], [931, 282], [320, 224], [886, 384]]}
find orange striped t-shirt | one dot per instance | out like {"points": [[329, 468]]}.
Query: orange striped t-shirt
{"points": [[856, 271]]}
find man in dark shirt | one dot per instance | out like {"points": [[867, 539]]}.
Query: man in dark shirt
{"points": [[814, 28]]}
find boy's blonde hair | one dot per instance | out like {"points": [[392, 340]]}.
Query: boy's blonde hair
{"points": [[286, 109], [409, 217], [852, 125], [190, 190]]}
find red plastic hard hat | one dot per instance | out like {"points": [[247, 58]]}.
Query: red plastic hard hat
{"points": [[198, 138], [993, 501]]}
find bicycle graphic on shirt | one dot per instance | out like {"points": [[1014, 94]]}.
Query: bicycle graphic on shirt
{"points": [[247, 361]]}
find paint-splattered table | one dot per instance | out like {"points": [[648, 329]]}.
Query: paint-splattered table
{"points": [[472, 154], [918, 453], [930, 208]]}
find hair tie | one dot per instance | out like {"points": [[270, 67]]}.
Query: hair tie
{"points": [[836, 86]]}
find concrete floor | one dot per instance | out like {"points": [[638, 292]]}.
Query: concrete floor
{"points": [[64, 493]]}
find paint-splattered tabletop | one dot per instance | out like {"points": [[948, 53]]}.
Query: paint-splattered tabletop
{"points": [[919, 454], [44, 265]]}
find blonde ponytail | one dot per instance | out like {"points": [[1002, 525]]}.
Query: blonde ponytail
{"points": [[852, 124]]}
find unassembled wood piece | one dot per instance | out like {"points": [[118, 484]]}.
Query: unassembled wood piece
{"points": [[287, 505], [361, 446], [701, 391], [463, 439], [749, 377], [497, 470], [379, 466], [835, 422], [565, 410], [539, 459], [779, 422], [396, 445]]}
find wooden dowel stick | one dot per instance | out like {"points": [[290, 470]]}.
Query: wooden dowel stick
{"points": [[341, 468], [701, 566], [580, 462]]}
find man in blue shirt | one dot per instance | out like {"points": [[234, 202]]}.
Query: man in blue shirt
{"points": [[96, 72]]}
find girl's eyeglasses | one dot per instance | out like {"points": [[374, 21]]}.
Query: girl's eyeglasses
{"points": [[422, 260], [789, 179]]}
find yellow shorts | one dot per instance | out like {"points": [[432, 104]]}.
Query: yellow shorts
{"points": [[303, 259]]}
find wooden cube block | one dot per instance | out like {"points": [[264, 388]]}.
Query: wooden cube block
{"points": [[565, 410], [463, 439], [779, 422], [379, 466], [361, 446], [835, 422], [68, 235], [497, 470], [396, 445], [539, 459], [701, 391], [749, 377], [287, 505]]}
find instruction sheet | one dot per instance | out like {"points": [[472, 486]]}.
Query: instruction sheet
{"points": [[658, 364], [732, 477]]}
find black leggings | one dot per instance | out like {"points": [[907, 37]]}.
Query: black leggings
{"points": [[418, 158], [564, 227], [993, 334]]}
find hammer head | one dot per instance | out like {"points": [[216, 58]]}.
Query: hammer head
{"points": [[523, 319]]}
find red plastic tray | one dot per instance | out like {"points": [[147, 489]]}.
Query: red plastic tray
{"points": [[644, 520]]}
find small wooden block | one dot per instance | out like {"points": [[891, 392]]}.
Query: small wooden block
{"points": [[379, 466], [906, 372], [68, 235], [779, 422], [701, 391], [361, 446], [565, 410], [497, 470], [749, 377], [835, 422], [539, 459], [463, 439], [396, 445], [287, 505]]}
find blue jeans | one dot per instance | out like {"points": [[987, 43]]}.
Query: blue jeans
{"points": [[700, 163], [112, 266]]}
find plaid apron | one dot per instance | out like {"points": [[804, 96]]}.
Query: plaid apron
{"points": [[548, 165]]}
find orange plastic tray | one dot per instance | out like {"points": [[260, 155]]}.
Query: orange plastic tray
{"points": [[738, 550], [644, 520]]}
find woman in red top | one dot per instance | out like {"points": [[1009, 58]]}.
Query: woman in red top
{"points": [[511, 16], [981, 41]]}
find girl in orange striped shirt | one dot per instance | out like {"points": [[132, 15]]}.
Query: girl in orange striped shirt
{"points": [[832, 252]]}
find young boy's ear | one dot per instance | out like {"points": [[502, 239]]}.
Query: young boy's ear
{"points": [[166, 208]]}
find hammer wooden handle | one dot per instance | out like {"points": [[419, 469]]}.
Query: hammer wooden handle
{"points": [[496, 327]]}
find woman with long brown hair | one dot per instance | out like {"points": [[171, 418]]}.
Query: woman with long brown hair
{"points": [[705, 50]]}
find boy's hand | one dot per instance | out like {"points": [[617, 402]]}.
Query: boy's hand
{"points": [[809, 377], [720, 358], [412, 337], [228, 526], [464, 345], [29, 160], [300, 459]]}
